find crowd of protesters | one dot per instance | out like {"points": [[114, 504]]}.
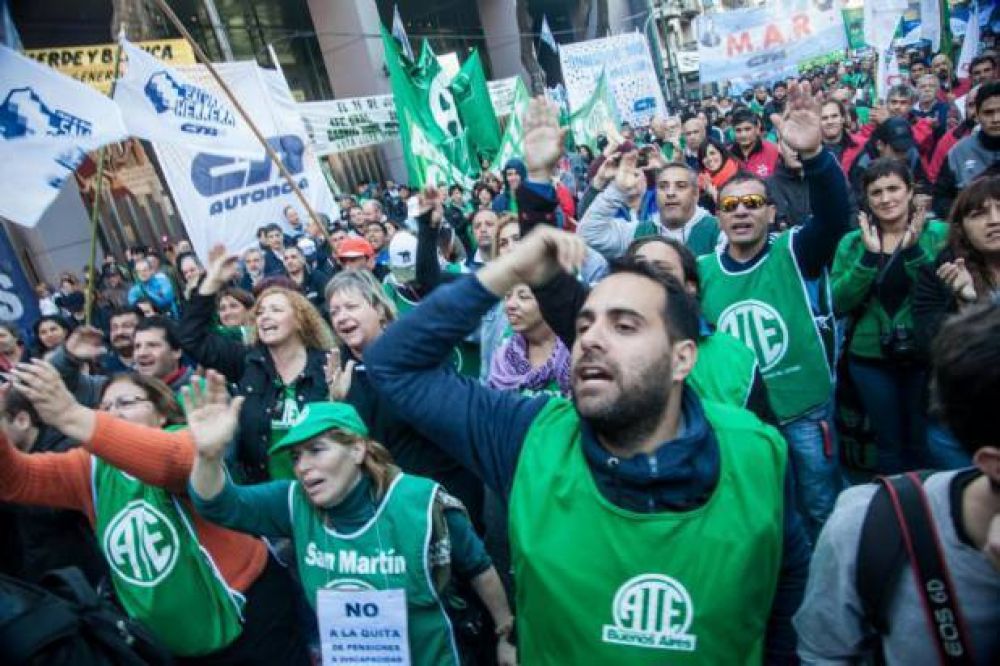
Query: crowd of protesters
{"points": [[617, 402]]}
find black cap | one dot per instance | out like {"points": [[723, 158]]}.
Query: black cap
{"points": [[897, 133]]}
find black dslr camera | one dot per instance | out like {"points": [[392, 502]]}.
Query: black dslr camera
{"points": [[899, 345]]}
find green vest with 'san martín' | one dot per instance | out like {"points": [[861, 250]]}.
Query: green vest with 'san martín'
{"points": [[389, 552], [599, 584], [768, 307]]}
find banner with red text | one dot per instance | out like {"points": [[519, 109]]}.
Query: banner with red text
{"points": [[767, 43]]}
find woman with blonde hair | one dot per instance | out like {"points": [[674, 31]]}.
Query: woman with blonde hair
{"points": [[356, 520], [359, 312], [278, 371]]}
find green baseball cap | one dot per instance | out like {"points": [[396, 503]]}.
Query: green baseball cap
{"points": [[318, 417]]}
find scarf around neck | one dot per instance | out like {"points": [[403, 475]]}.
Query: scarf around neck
{"points": [[511, 369]]}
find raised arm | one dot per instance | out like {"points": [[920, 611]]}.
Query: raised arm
{"points": [[155, 456], [816, 241], [58, 480], [195, 331], [600, 226], [84, 344], [429, 273]]}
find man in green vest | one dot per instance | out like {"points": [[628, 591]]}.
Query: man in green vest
{"points": [[622, 522], [770, 291]]}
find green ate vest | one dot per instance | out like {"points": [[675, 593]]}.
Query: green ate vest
{"points": [[724, 371], [389, 552], [598, 584], [768, 308], [162, 575], [465, 357]]}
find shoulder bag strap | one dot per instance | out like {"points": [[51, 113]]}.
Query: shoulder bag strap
{"points": [[926, 557]]}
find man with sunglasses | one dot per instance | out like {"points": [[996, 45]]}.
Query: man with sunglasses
{"points": [[766, 291]]}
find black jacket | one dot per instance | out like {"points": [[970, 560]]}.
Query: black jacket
{"points": [[39, 539], [413, 452], [252, 371]]}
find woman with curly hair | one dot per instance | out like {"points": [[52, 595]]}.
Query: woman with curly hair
{"points": [[279, 370]]}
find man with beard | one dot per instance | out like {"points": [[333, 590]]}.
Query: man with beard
{"points": [[121, 331], [621, 519]]}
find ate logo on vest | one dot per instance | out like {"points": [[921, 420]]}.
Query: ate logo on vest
{"points": [[141, 544], [760, 327], [653, 611]]}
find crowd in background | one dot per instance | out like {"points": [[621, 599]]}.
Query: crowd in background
{"points": [[864, 245]]}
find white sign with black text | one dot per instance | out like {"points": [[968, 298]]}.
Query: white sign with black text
{"points": [[363, 626]]}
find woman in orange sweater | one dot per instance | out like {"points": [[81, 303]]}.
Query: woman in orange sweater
{"points": [[211, 595]]}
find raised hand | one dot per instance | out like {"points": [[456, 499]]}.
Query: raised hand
{"points": [[629, 177], [869, 233], [212, 417], [607, 171], [85, 343], [956, 275], [222, 268], [431, 200], [535, 260], [916, 226], [879, 114], [799, 126], [40, 383], [338, 379], [543, 139]]}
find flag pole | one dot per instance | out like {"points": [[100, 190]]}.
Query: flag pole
{"points": [[169, 13], [95, 208]]}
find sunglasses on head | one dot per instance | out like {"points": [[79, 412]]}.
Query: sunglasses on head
{"points": [[750, 202]]}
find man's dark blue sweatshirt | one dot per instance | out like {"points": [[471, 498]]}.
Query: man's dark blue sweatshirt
{"points": [[485, 429]]}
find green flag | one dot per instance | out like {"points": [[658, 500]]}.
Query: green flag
{"points": [[472, 97], [513, 137], [427, 163], [594, 117], [421, 96], [854, 24]]}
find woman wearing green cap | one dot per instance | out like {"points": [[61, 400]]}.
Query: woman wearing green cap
{"points": [[355, 519]]}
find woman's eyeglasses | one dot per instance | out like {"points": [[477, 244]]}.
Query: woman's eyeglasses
{"points": [[124, 402], [749, 201]]}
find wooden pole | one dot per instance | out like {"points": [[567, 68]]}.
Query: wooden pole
{"points": [[96, 206], [169, 13]]}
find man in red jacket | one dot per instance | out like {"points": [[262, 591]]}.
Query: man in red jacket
{"points": [[900, 100], [753, 153]]}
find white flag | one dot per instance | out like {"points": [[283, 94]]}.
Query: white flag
{"points": [[225, 198], [48, 121], [887, 73], [160, 105], [881, 19], [970, 44], [930, 23]]}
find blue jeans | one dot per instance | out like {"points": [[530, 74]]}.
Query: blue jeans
{"points": [[893, 396], [815, 465]]}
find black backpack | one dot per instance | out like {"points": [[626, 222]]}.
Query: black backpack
{"points": [[63, 621]]}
